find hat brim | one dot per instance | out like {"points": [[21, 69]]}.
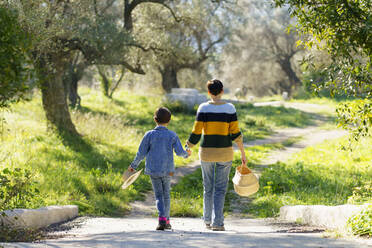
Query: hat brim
{"points": [[129, 178]]}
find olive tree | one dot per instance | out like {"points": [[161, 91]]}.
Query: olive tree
{"points": [[60, 29], [342, 29], [194, 34], [263, 57]]}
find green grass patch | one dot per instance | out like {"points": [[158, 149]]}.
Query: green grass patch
{"points": [[292, 140], [258, 122], [323, 174]]}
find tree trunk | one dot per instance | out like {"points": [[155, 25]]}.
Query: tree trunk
{"points": [[54, 98], [286, 66], [71, 80], [105, 81], [128, 22], [169, 78]]}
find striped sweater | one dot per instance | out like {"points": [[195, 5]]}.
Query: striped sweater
{"points": [[217, 126]]}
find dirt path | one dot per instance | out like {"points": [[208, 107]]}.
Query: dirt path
{"points": [[137, 230]]}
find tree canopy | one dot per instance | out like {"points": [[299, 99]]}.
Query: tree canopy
{"points": [[344, 29], [14, 43]]}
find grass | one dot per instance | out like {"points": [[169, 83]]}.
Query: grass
{"points": [[258, 122], [87, 170], [323, 174]]}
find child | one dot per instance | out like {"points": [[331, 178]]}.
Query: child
{"points": [[157, 146]]}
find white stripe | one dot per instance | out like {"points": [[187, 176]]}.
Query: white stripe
{"points": [[227, 108]]}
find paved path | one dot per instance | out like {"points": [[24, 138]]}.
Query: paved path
{"points": [[188, 232]]}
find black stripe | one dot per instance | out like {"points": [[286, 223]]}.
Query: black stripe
{"points": [[194, 138], [218, 141], [222, 117], [235, 135]]}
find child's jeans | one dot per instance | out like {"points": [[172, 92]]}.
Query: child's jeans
{"points": [[161, 186]]}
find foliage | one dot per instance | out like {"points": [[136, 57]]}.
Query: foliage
{"points": [[361, 193], [356, 117], [342, 28], [18, 189], [14, 44], [323, 174], [19, 234], [361, 223]]}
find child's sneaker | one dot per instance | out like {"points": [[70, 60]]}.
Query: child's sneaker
{"points": [[208, 226], [168, 225], [162, 224]]}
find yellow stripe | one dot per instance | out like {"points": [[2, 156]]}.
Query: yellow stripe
{"points": [[216, 128], [209, 154], [234, 127], [198, 127]]}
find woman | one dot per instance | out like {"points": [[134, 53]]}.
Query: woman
{"points": [[217, 124]]}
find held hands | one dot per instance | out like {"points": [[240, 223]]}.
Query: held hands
{"points": [[188, 151]]}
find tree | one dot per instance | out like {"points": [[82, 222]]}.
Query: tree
{"points": [[262, 54], [186, 41], [343, 29], [110, 83], [62, 28], [14, 71]]}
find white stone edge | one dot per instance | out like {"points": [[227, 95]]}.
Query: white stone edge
{"points": [[38, 218]]}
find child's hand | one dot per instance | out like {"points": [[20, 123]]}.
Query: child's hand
{"points": [[131, 169]]}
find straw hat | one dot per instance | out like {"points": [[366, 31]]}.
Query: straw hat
{"points": [[129, 177], [245, 182]]}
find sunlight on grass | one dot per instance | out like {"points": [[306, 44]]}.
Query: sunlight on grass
{"points": [[323, 174]]}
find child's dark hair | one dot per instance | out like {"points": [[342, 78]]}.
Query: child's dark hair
{"points": [[162, 115], [215, 86]]}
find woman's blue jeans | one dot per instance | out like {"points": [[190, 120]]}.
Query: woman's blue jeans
{"points": [[215, 182], [161, 186]]}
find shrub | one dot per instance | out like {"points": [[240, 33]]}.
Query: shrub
{"points": [[18, 189], [361, 223]]}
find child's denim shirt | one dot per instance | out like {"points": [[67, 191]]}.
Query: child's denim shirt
{"points": [[157, 146]]}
